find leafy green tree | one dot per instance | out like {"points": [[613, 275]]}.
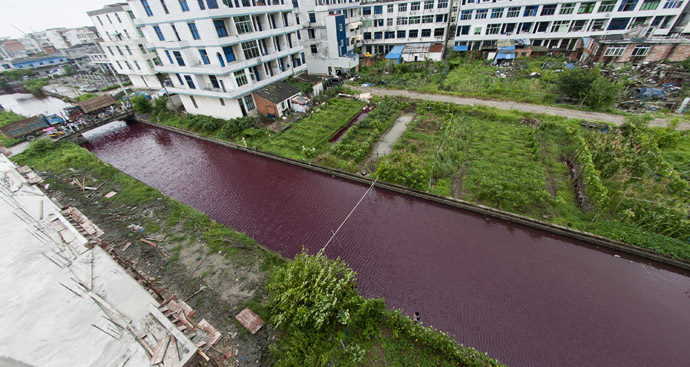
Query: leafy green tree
{"points": [[160, 104], [589, 87], [141, 104], [34, 85]]}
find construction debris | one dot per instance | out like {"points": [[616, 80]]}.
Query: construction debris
{"points": [[110, 194], [250, 320]]}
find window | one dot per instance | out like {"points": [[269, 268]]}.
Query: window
{"points": [[243, 24], [493, 28], [426, 32], [99, 19], [441, 18], [414, 20], [427, 19], [402, 21], [496, 13], [119, 50], [118, 18], [220, 28], [378, 35], [367, 35], [128, 65], [130, 13], [614, 51], [618, 24], [513, 12], [177, 35], [183, 5], [598, 25], [567, 9], [607, 6], [204, 57], [178, 57], [413, 33], [481, 14], [129, 50], [414, 6], [147, 8], [365, 11], [530, 11], [640, 51], [111, 50], [194, 101], [190, 83], [311, 33], [389, 22], [466, 15], [315, 50], [389, 35], [248, 102], [212, 4], [142, 48], [650, 4], [627, 5], [478, 30], [464, 30], [167, 53], [127, 34], [672, 4], [179, 79], [312, 17], [578, 26], [194, 31], [240, 78], [229, 55], [159, 33], [542, 26], [389, 9], [150, 64], [438, 32], [214, 81], [378, 9], [402, 7], [548, 10], [428, 4], [560, 26], [442, 4], [250, 49], [141, 33], [586, 8], [137, 65], [401, 34], [165, 8], [118, 64], [201, 5]]}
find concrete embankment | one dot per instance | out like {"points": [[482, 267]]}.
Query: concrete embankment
{"points": [[511, 217]]}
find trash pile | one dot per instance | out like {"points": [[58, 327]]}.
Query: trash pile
{"points": [[652, 87]]}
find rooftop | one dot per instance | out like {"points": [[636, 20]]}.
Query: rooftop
{"points": [[277, 92]]}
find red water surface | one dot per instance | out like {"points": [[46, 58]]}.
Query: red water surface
{"points": [[524, 296]]}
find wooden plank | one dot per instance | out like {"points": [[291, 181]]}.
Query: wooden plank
{"points": [[172, 358], [148, 242], [159, 352]]}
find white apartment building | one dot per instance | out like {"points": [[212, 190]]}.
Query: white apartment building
{"points": [[390, 23], [80, 36], [331, 35], [559, 24], [217, 52], [55, 37], [125, 46]]}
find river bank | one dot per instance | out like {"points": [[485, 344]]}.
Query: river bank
{"points": [[217, 270]]}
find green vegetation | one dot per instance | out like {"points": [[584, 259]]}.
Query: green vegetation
{"points": [[141, 104], [512, 161], [34, 85], [590, 87], [533, 80], [325, 322], [85, 97], [15, 75], [8, 117]]}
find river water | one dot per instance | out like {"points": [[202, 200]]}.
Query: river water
{"points": [[526, 297]]}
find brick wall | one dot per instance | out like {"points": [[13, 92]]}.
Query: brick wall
{"points": [[265, 107]]}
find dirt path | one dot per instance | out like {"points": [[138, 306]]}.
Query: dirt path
{"points": [[510, 105]]}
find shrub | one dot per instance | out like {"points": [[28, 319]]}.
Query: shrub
{"points": [[234, 127], [141, 104], [588, 86]]}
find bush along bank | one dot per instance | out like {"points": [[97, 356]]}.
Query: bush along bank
{"points": [[312, 301]]}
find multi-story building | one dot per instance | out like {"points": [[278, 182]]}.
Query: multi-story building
{"points": [[332, 35], [125, 46], [56, 38], [217, 53], [559, 25], [390, 23], [80, 36]]}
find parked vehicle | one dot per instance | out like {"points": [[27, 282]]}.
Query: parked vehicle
{"points": [[54, 120], [27, 129], [88, 89]]}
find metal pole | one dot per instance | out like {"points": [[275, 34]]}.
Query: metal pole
{"points": [[110, 67]]}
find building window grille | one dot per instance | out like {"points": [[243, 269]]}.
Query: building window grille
{"points": [[672, 4], [204, 57], [548, 10], [178, 57], [389, 8], [414, 6], [442, 4], [650, 4], [243, 24], [402, 21], [466, 15], [365, 11], [513, 12], [389, 35], [129, 50], [427, 19], [378, 9], [401, 34], [250, 49], [428, 4], [402, 7], [598, 25], [560, 26], [627, 5], [414, 33], [415, 20], [496, 13], [530, 11], [249, 102], [241, 78], [167, 53], [586, 8], [183, 5], [613, 51], [481, 14], [220, 28], [312, 17], [314, 49], [640, 51], [607, 6], [159, 33], [493, 28], [567, 9], [389, 22]]}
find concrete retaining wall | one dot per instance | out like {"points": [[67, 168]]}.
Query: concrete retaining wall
{"points": [[476, 208]]}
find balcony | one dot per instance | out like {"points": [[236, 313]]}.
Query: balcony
{"points": [[221, 12], [225, 41]]}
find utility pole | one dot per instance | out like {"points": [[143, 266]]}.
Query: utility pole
{"points": [[445, 41], [110, 67]]}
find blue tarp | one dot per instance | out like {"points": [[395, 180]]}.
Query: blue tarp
{"points": [[651, 93], [395, 54], [505, 56], [460, 48], [506, 48], [569, 66]]}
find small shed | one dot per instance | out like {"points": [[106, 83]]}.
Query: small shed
{"points": [[300, 104], [315, 81], [395, 55], [275, 100], [96, 104]]}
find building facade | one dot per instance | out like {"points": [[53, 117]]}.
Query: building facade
{"points": [[125, 47], [390, 23], [559, 25], [216, 53], [331, 36]]}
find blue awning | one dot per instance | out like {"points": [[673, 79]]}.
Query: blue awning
{"points": [[505, 56], [395, 54], [460, 48], [506, 48]]}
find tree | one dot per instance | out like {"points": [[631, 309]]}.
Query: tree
{"points": [[141, 104], [589, 87]]}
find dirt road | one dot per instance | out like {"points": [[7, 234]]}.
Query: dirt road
{"points": [[510, 105]]}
